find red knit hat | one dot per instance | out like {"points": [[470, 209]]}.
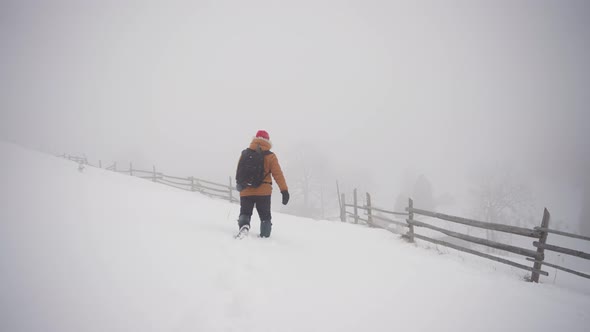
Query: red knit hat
{"points": [[262, 134]]}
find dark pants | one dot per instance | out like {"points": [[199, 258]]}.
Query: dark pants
{"points": [[262, 204]]}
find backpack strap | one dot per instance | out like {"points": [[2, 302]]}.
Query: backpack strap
{"points": [[266, 153]]}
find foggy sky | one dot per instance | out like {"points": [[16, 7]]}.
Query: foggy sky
{"points": [[376, 90]]}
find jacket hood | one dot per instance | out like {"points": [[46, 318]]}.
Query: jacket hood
{"points": [[265, 144]]}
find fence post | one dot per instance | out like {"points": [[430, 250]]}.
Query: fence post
{"points": [[540, 251], [410, 234], [356, 211], [231, 190], [131, 169], [340, 203], [154, 174], [192, 183], [369, 212], [343, 208], [115, 167]]}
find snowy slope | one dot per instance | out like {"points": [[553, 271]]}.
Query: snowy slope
{"points": [[98, 251]]}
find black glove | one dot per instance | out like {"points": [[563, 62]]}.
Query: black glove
{"points": [[285, 194]]}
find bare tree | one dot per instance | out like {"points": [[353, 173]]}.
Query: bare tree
{"points": [[308, 187], [422, 194], [500, 198]]}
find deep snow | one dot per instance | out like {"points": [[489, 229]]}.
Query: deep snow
{"points": [[92, 250]]}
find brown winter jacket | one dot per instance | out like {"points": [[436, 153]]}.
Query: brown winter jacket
{"points": [[271, 166]]}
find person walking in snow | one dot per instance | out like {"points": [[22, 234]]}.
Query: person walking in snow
{"points": [[253, 181]]}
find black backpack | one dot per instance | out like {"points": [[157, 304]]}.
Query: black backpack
{"points": [[250, 171]]}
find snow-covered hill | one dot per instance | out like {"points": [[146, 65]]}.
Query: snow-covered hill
{"points": [[92, 250]]}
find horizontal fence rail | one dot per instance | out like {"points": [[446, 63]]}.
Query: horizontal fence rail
{"points": [[372, 208], [580, 274], [227, 192], [166, 179], [542, 245], [477, 253], [177, 178], [566, 234], [538, 255], [562, 250], [369, 210], [357, 217], [476, 240], [389, 212], [190, 183], [395, 222], [535, 254], [480, 224]]}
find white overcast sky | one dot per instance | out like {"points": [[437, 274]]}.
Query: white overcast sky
{"points": [[378, 89]]}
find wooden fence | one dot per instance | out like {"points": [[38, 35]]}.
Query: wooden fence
{"points": [[535, 254], [543, 245], [225, 191], [80, 160], [373, 213]]}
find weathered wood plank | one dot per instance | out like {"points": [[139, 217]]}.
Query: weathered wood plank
{"points": [[369, 211], [200, 186], [480, 224], [572, 235], [562, 250], [399, 223], [481, 254], [197, 186], [581, 274], [177, 178], [389, 229], [359, 217], [356, 212], [147, 177], [410, 217], [358, 207], [343, 208], [231, 194], [473, 239], [141, 171], [197, 181], [162, 180], [342, 214], [542, 239], [378, 209], [390, 212]]}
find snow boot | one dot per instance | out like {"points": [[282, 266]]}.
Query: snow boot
{"points": [[265, 228], [243, 232], [243, 220]]}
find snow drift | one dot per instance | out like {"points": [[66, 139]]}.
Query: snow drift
{"points": [[92, 250]]}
